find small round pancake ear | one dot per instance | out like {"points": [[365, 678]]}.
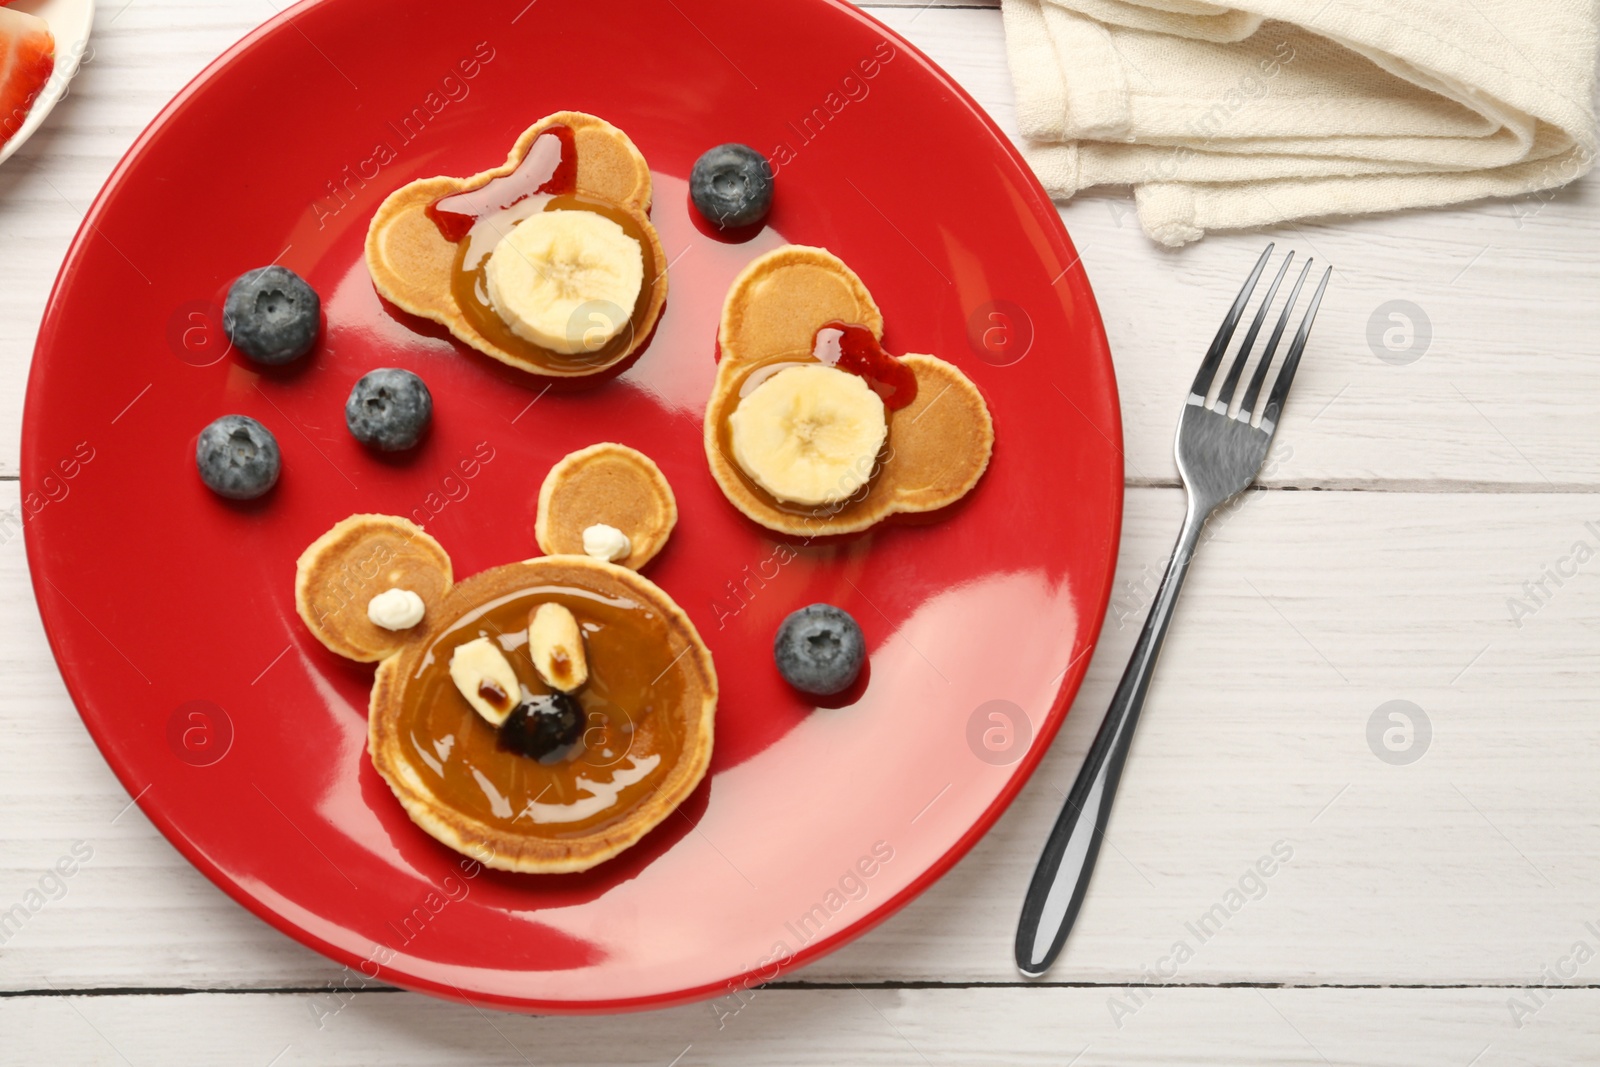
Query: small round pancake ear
{"points": [[338, 575], [939, 445], [777, 302], [609, 166], [611, 485]]}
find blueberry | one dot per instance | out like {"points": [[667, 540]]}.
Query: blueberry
{"points": [[731, 185], [238, 457], [820, 650], [544, 728], [272, 315], [389, 409]]}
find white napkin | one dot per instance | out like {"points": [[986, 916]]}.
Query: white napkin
{"points": [[1226, 117]]}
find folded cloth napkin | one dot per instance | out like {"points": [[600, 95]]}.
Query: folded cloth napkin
{"points": [[1226, 117]]}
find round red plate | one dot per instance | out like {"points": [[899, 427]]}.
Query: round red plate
{"points": [[171, 612]]}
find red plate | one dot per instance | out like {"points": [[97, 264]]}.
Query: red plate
{"points": [[171, 612]]}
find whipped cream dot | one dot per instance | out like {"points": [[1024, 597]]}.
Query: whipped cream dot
{"points": [[395, 609], [606, 542]]}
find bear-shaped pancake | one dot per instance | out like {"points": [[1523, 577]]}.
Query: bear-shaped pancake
{"points": [[644, 702], [799, 312], [431, 242]]}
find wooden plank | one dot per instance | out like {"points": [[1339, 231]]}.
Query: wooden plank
{"points": [[866, 1027], [1504, 397], [1304, 614]]}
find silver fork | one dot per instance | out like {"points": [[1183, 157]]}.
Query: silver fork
{"points": [[1219, 455]]}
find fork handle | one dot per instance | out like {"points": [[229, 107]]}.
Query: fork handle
{"points": [[1062, 877]]}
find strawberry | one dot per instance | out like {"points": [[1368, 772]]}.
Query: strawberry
{"points": [[27, 58]]}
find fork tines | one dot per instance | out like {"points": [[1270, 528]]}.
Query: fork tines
{"points": [[1291, 362]]}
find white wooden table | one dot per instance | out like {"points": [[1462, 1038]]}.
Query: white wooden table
{"points": [[1442, 911]]}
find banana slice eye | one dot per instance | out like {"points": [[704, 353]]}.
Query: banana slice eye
{"points": [[566, 281], [486, 679], [555, 644], [809, 435]]}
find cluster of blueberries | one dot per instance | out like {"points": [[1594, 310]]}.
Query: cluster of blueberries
{"points": [[274, 317]]}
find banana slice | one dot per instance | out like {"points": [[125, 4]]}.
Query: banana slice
{"points": [[555, 645], [809, 435], [566, 280], [484, 676]]}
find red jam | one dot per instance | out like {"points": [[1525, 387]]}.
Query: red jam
{"points": [[853, 348], [550, 168]]}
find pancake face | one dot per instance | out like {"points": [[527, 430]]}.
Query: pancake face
{"points": [[415, 267], [938, 445], [645, 709], [610, 484], [648, 710]]}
